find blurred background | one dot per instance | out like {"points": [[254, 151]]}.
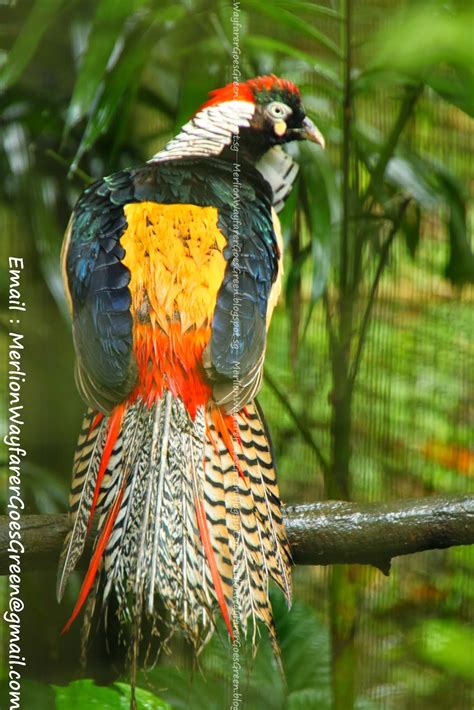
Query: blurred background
{"points": [[370, 369]]}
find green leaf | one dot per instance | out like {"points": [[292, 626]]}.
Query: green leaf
{"points": [[431, 43], [124, 78], [460, 267], [184, 691], [432, 186], [43, 199], [145, 699], [42, 486], [414, 178], [83, 694], [418, 38], [293, 22], [308, 699], [105, 35], [321, 205], [193, 92], [411, 227], [261, 43], [446, 644], [304, 646], [313, 8], [455, 84], [44, 12], [294, 275], [36, 695], [117, 85]]}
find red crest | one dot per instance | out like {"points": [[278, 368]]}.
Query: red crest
{"points": [[246, 91]]}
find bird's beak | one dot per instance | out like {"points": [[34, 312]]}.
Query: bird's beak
{"points": [[311, 133]]}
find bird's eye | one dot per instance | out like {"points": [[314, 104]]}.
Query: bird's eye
{"points": [[278, 110]]}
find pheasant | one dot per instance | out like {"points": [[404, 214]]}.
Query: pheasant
{"points": [[172, 270]]}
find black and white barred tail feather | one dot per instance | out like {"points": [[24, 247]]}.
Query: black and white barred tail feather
{"points": [[85, 468], [178, 485]]}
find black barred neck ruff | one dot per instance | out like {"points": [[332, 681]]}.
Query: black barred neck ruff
{"points": [[216, 129], [209, 132]]}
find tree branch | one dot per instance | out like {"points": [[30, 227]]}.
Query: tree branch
{"points": [[329, 532], [373, 533]]}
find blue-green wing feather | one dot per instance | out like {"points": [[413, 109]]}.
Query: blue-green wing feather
{"points": [[98, 286], [98, 280]]}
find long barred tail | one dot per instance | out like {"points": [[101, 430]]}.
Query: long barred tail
{"points": [[188, 513]]}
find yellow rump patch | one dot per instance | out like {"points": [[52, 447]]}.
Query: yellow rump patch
{"points": [[174, 253]]}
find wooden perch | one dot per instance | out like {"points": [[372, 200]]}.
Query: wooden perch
{"points": [[324, 533], [372, 533]]}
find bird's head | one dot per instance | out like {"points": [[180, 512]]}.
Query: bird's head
{"points": [[250, 117], [278, 115]]}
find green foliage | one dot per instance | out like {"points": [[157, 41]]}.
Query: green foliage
{"points": [[305, 661], [85, 694], [106, 35], [37, 695], [446, 644], [91, 87], [43, 13], [431, 42]]}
